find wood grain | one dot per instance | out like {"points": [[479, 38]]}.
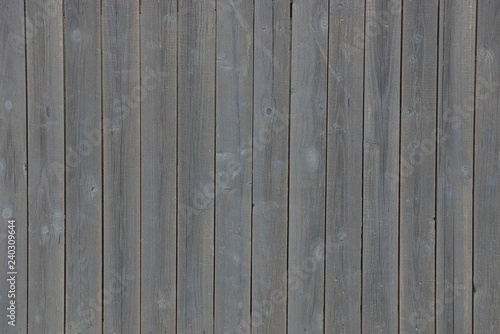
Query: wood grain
{"points": [[418, 167], [344, 203], [159, 166], [233, 210], [270, 166], [381, 163], [121, 160], [307, 167], [13, 162], [486, 287], [82, 39], [46, 167], [196, 167], [264, 166], [455, 166]]}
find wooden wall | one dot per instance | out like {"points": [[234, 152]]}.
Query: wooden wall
{"points": [[266, 166]]}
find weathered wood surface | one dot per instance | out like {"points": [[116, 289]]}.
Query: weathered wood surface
{"points": [[46, 167], [158, 166], [82, 40], [233, 169], [270, 166], [121, 97], [454, 195], [486, 230], [344, 203], [417, 200], [250, 167], [13, 161], [381, 166], [308, 109], [197, 181]]}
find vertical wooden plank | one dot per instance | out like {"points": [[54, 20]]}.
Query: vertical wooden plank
{"points": [[418, 167], [159, 165], [196, 166], [45, 165], [345, 168], [233, 211], [13, 176], [486, 171], [270, 165], [121, 145], [83, 166], [381, 163], [307, 166], [455, 162]]}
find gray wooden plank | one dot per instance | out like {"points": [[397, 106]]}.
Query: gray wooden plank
{"points": [[121, 161], [381, 162], [418, 167], [46, 161], [486, 302], [13, 159], [233, 210], [307, 166], [82, 37], [454, 166], [345, 168], [159, 165], [196, 166], [270, 166]]}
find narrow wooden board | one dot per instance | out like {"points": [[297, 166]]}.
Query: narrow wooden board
{"points": [[159, 165], [271, 112], [308, 127], [344, 208], [46, 161], [381, 166], [457, 33], [418, 167], [121, 159], [13, 163], [233, 210], [82, 37], [196, 166], [486, 288]]}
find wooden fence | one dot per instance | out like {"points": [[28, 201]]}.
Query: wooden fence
{"points": [[236, 166]]}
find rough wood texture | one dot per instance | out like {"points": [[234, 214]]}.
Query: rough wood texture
{"points": [[121, 153], [455, 166], [270, 166], [46, 161], [307, 166], [196, 167], [418, 167], [13, 155], [233, 211], [381, 163], [486, 285], [159, 165], [82, 39], [345, 169], [264, 166]]}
